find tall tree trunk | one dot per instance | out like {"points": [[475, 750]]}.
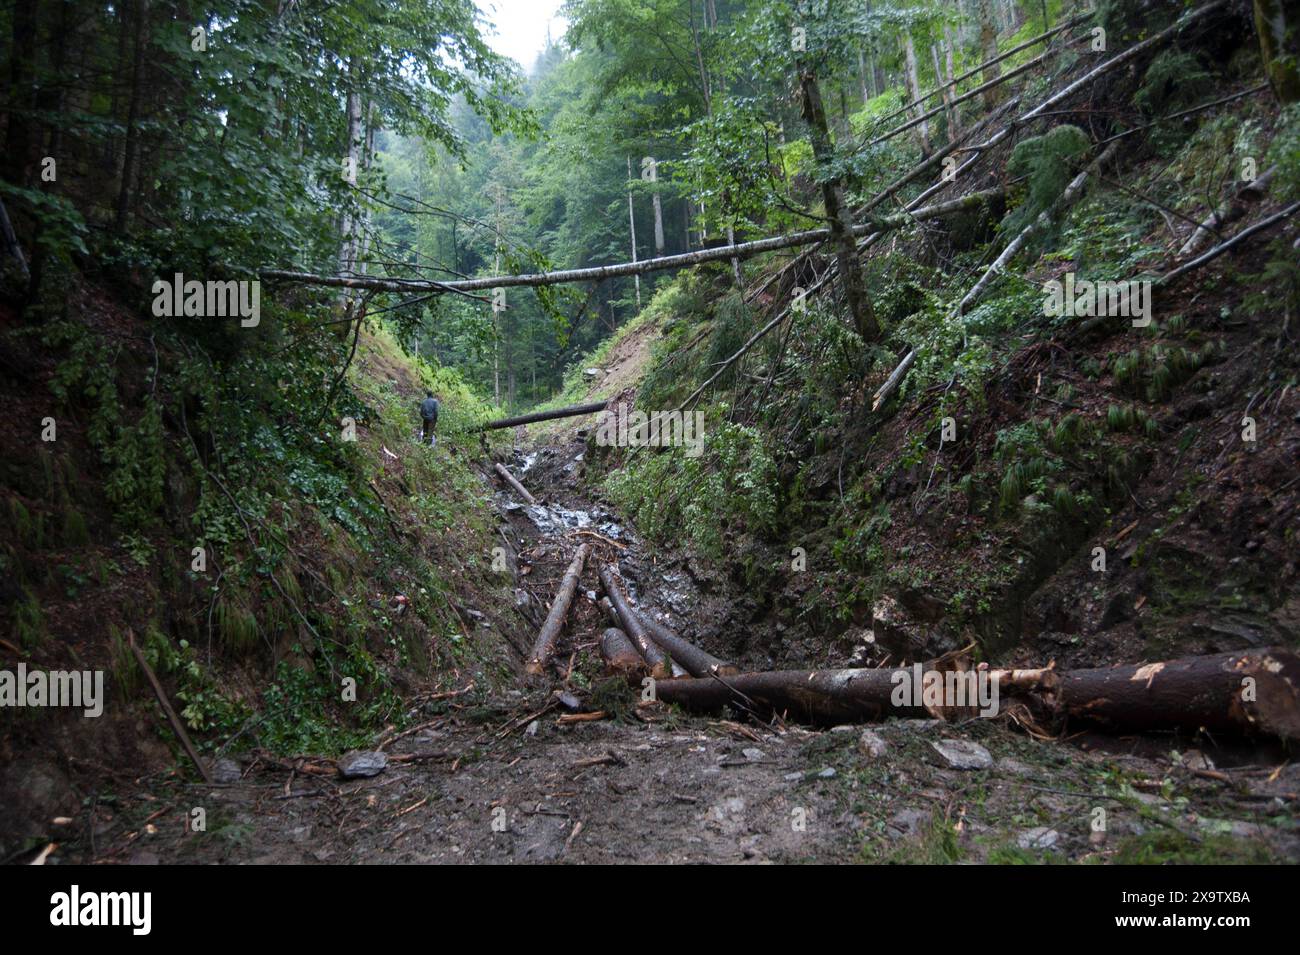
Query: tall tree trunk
{"points": [[22, 94], [914, 94], [1279, 46], [631, 222], [130, 155], [949, 110], [989, 49], [659, 221], [348, 228], [841, 222]]}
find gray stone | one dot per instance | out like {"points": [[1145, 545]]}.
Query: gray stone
{"points": [[359, 764], [963, 754], [1039, 837], [754, 754], [871, 745], [226, 770]]}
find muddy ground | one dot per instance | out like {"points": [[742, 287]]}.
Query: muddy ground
{"points": [[515, 778]]}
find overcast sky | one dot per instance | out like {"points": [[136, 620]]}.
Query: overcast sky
{"points": [[518, 27]]}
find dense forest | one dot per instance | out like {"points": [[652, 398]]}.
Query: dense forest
{"points": [[804, 430]]}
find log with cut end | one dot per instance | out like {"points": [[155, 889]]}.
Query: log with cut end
{"points": [[696, 661], [544, 648], [514, 483], [569, 412], [1255, 691], [621, 658], [654, 657], [1252, 692], [616, 622]]}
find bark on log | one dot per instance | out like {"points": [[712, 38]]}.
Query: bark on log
{"points": [[649, 650], [514, 483], [572, 411], [695, 661], [1223, 247], [1250, 692], [616, 622], [720, 253], [621, 658], [544, 648], [1226, 214], [818, 696], [1207, 692]]}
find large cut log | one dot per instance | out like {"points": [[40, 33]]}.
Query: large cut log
{"points": [[693, 660], [1255, 691], [616, 622], [544, 648], [817, 696], [1252, 692], [514, 483], [621, 658], [654, 657], [696, 661], [569, 412]]}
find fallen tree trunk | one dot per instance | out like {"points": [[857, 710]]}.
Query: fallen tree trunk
{"points": [[571, 411], [177, 726], [514, 483], [1225, 214], [1223, 247], [650, 652], [1252, 692], [617, 622], [621, 658], [1041, 221], [695, 661], [738, 250], [873, 229], [544, 648]]}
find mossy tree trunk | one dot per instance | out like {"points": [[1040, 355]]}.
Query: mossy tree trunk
{"points": [[1279, 47]]}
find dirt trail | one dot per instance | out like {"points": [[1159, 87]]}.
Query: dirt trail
{"points": [[511, 781]]}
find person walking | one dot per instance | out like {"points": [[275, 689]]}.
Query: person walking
{"points": [[429, 419]]}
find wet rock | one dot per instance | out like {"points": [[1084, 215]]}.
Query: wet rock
{"points": [[871, 745], [568, 701], [1040, 837], [226, 771], [908, 822], [963, 754], [1195, 759], [360, 764]]}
